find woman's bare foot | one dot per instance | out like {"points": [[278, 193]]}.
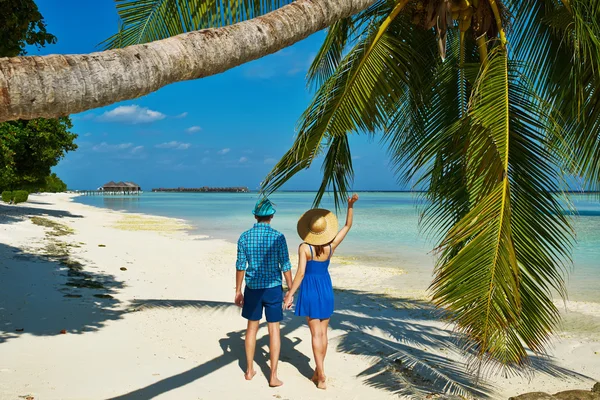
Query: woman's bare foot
{"points": [[249, 375], [275, 382], [322, 383], [314, 378]]}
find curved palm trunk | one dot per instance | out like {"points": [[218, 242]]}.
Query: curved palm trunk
{"points": [[57, 85]]}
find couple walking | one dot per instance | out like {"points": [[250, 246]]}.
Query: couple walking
{"points": [[263, 256]]}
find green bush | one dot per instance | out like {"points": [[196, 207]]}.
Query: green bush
{"points": [[7, 196], [20, 196]]}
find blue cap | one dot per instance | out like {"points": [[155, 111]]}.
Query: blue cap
{"points": [[263, 208]]}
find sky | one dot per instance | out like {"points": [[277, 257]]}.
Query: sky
{"points": [[224, 130]]}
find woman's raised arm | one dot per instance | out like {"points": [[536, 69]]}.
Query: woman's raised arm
{"points": [[346, 228]]}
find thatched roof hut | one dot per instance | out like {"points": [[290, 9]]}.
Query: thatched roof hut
{"points": [[121, 187]]}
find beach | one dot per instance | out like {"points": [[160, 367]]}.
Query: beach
{"points": [[102, 304]]}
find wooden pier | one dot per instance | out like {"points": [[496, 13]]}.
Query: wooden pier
{"points": [[110, 193], [204, 189]]}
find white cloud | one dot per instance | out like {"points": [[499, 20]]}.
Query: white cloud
{"points": [[173, 145], [243, 160], [105, 147], [137, 149], [193, 129], [270, 161], [224, 151], [132, 114], [182, 115], [88, 134]]}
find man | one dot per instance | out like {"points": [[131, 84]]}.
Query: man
{"points": [[262, 256]]}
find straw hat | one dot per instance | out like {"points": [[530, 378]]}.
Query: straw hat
{"points": [[318, 226]]}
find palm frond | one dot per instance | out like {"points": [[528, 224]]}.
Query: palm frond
{"points": [[579, 27], [341, 35], [145, 21], [499, 263], [338, 173], [357, 98], [426, 135], [330, 54]]}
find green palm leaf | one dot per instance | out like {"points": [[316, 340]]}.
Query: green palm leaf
{"points": [[498, 264], [578, 26], [144, 21], [357, 98], [342, 34], [338, 173], [330, 54]]}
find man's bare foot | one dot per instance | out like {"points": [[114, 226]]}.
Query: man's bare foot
{"points": [[249, 375], [314, 378], [275, 382]]}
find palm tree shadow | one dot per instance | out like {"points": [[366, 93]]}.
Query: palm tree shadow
{"points": [[43, 295], [403, 362], [16, 213]]}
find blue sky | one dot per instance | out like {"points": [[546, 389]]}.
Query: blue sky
{"points": [[225, 130]]}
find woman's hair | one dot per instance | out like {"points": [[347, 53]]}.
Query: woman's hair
{"points": [[320, 249]]}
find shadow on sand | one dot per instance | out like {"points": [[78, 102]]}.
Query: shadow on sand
{"points": [[402, 362], [10, 214], [42, 295]]}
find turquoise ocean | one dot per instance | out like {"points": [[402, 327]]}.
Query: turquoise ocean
{"points": [[385, 233]]}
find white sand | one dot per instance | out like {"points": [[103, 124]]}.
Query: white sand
{"points": [[171, 331]]}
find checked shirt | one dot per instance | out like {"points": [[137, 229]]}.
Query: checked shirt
{"points": [[263, 253]]}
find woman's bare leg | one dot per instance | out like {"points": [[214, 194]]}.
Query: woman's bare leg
{"points": [[318, 351], [324, 327]]}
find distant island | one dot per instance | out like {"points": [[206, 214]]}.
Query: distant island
{"points": [[205, 189]]}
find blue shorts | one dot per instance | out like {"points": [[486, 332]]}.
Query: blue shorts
{"points": [[271, 299]]}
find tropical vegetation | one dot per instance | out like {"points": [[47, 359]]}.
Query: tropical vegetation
{"points": [[29, 148], [16, 197], [7, 196]]}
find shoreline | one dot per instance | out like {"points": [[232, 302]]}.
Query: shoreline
{"points": [[412, 261], [169, 327]]}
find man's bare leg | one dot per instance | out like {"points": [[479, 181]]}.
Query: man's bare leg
{"points": [[274, 349], [250, 343]]}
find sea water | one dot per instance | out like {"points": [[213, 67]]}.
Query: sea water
{"points": [[385, 233]]}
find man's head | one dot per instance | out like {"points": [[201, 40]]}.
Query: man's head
{"points": [[263, 210]]}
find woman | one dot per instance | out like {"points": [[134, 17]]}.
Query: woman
{"points": [[318, 229]]}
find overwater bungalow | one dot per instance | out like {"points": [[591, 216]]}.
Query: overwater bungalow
{"points": [[112, 188]]}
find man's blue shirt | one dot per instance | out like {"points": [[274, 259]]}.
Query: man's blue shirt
{"points": [[263, 254]]}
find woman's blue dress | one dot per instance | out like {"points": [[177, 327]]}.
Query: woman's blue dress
{"points": [[315, 297]]}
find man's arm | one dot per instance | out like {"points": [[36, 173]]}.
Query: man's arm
{"points": [[284, 261], [288, 278], [240, 266], [239, 279]]}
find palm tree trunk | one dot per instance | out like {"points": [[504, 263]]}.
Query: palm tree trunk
{"points": [[57, 85]]}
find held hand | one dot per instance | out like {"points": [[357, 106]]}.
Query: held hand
{"points": [[352, 200], [239, 299], [288, 301]]}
